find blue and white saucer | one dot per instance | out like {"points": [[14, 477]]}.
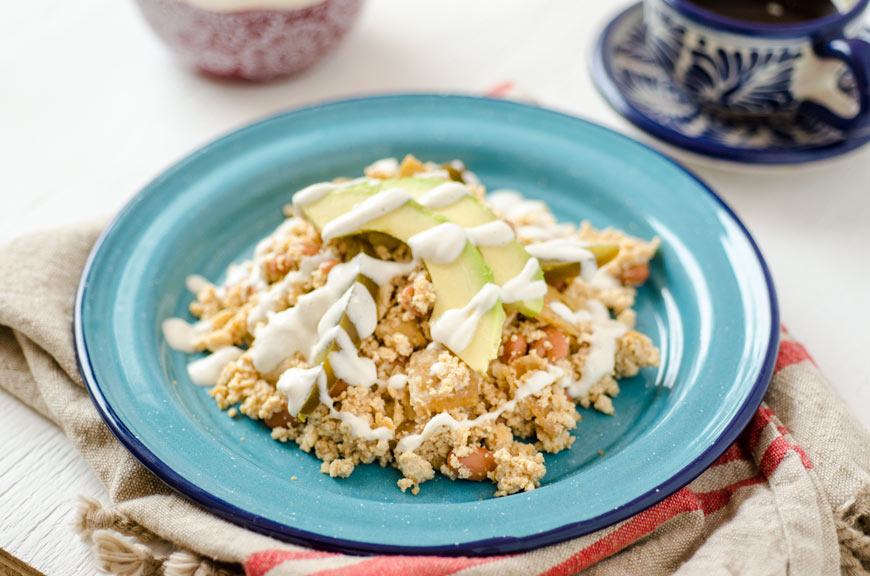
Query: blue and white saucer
{"points": [[637, 86]]}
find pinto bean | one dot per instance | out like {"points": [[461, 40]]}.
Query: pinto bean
{"points": [[282, 419], [479, 463], [337, 388], [513, 348], [635, 275], [558, 345]]}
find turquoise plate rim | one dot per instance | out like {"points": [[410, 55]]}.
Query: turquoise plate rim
{"points": [[477, 547]]}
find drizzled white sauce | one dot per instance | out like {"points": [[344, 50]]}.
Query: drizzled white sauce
{"points": [[440, 244], [348, 365], [296, 329], [359, 427], [397, 381], [381, 271], [369, 209], [206, 371], [533, 385], [296, 383], [360, 308], [514, 205], [444, 195], [183, 336], [541, 233], [566, 250], [313, 193], [601, 356], [455, 328], [434, 173], [196, 283], [267, 302], [604, 280], [386, 166], [523, 286], [495, 233]]}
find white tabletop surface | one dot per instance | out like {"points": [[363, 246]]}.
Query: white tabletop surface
{"points": [[92, 107]]}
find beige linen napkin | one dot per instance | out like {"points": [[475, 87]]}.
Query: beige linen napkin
{"points": [[790, 496]]}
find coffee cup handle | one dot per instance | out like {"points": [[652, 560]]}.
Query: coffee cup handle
{"points": [[855, 53]]}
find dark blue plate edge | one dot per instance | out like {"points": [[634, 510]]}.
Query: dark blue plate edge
{"points": [[485, 547], [602, 76]]}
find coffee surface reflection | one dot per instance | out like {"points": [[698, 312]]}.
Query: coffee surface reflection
{"points": [[770, 12]]}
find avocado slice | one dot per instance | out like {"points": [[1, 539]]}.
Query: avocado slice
{"points": [[506, 261], [456, 282]]}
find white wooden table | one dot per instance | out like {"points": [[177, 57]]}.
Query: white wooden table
{"points": [[92, 107]]}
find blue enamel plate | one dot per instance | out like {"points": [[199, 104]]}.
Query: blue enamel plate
{"points": [[709, 306]]}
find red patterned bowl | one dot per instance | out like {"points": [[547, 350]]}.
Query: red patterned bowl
{"points": [[250, 39]]}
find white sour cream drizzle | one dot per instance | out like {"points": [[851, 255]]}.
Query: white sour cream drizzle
{"points": [[196, 283], [514, 205], [455, 328], [313, 193], [440, 244], [495, 233], [386, 166], [444, 195], [523, 286], [397, 381], [267, 301], [533, 385], [566, 250], [183, 336], [439, 173], [369, 209], [206, 371], [602, 343], [541, 233], [296, 329]]}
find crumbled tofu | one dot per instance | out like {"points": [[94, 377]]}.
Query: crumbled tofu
{"points": [[430, 380]]}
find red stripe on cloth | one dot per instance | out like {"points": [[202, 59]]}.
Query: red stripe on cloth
{"points": [[631, 531], [649, 520], [776, 452], [752, 434], [402, 565], [258, 563], [791, 353], [804, 458], [717, 499], [733, 454]]}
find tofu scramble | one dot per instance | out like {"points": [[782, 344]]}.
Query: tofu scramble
{"points": [[410, 319]]}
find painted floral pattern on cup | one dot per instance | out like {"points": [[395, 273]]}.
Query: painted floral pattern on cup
{"points": [[643, 79], [746, 81]]}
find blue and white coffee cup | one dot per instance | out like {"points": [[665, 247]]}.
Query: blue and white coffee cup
{"points": [[747, 69]]}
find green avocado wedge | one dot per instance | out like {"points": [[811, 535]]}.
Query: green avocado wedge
{"points": [[456, 283], [505, 261]]}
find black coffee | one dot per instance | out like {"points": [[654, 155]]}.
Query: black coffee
{"points": [[770, 12]]}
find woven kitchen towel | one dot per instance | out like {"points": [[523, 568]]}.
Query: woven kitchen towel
{"points": [[790, 496]]}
